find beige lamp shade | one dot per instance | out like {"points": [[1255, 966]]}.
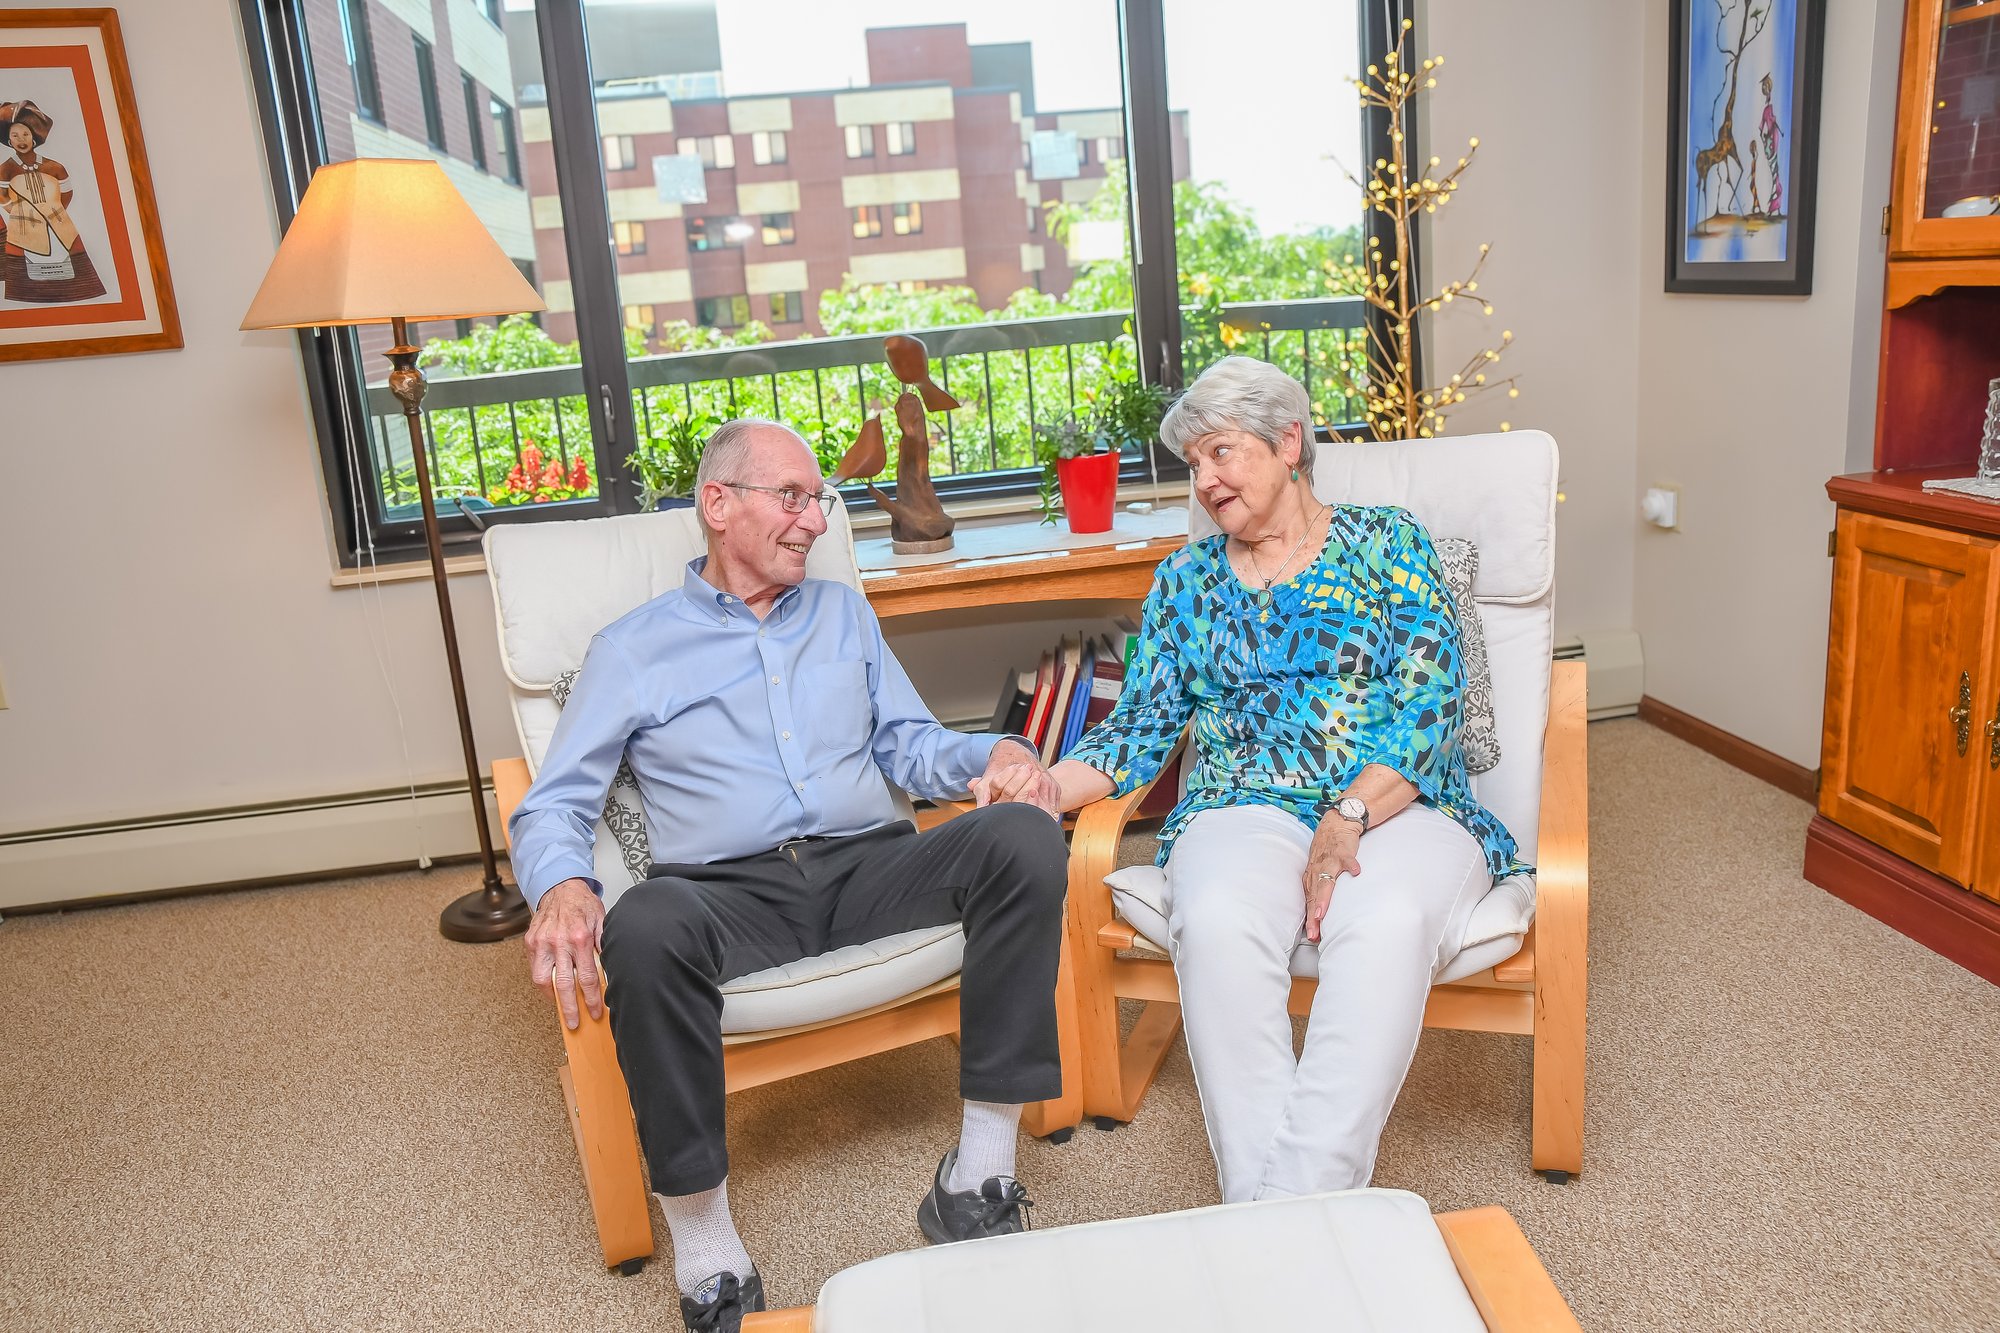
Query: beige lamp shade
{"points": [[378, 239]]}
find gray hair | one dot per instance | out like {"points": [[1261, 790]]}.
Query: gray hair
{"points": [[1241, 393], [723, 458]]}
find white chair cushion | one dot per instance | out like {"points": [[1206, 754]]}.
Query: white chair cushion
{"points": [[1362, 1261], [1493, 932], [844, 981]]}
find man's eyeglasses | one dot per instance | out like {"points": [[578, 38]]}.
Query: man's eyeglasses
{"points": [[790, 498]]}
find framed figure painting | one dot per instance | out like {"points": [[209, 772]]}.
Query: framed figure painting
{"points": [[83, 271], [1743, 145]]}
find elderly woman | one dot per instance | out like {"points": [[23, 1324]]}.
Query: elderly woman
{"points": [[1315, 650]]}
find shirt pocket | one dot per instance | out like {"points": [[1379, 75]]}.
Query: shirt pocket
{"points": [[834, 695]]}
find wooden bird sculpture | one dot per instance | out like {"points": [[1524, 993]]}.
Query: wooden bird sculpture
{"points": [[910, 362], [865, 457], [917, 521]]}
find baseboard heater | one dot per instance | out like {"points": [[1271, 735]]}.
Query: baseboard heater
{"points": [[1615, 673]]}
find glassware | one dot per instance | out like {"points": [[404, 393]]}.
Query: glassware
{"points": [[1989, 445]]}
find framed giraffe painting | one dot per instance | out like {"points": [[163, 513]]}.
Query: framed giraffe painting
{"points": [[1743, 145], [83, 269]]}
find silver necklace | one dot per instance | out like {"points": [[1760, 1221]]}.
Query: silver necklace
{"points": [[1264, 593]]}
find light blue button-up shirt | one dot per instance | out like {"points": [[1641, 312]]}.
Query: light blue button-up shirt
{"points": [[742, 732]]}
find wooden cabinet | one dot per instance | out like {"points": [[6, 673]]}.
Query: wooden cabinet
{"points": [[1913, 667], [1946, 185]]}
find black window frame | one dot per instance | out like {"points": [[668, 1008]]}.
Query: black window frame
{"points": [[503, 118], [786, 230], [738, 305], [472, 130], [360, 41], [427, 91], [295, 144]]}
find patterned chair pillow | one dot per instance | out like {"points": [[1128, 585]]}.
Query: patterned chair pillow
{"points": [[621, 804], [1478, 742]]}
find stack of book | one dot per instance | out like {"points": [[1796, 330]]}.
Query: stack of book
{"points": [[1073, 688]]}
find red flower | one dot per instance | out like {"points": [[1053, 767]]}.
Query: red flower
{"points": [[579, 477], [517, 480], [552, 476], [531, 458]]}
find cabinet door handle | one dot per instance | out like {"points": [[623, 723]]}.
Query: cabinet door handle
{"points": [[1993, 736], [1961, 716]]}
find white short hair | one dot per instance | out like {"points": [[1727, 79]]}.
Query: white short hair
{"points": [[1241, 393], [723, 458]]}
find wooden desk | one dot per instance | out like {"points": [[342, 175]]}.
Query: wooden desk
{"points": [[1096, 572]]}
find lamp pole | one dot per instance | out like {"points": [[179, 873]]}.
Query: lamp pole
{"points": [[496, 910]]}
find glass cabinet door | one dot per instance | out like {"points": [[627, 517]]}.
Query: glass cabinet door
{"points": [[1948, 143]]}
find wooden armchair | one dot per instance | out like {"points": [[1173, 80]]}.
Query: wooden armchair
{"points": [[1521, 967], [554, 586]]}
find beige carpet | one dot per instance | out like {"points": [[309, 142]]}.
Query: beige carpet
{"points": [[300, 1108]]}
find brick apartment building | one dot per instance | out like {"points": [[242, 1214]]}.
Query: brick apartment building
{"points": [[425, 78], [726, 210]]}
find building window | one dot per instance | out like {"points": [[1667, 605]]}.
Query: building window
{"points": [[910, 285], [722, 312], [1110, 150], [867, 222], [1034, 220], [619, 154], [716, 151], [360, 44], [909, 219], [778, 229], [1082, 152], [503, 135], [718, 233], [788, 307], [861, 141], [641, 317], [472, 120], [768, 147], [490, 8], [629, 237], [902, 138], [427, 89]]}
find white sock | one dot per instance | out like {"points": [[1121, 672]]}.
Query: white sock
{"points": [[705, 1239], [985, 1145]]}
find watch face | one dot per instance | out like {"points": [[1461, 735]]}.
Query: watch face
{"points": [[1351, 807]]}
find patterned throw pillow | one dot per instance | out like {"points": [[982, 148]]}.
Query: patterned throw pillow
{"points": [[621, 804], [1478, 742]]}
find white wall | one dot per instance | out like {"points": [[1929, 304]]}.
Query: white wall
{"points": [[1749, 404], [1550, 92]]}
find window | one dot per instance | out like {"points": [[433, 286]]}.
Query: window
{"points": [[716, 151], [360, 48], [718, 233], [472, 120], [788, 307], [503, 135], [722, 312], [589, 392], [490, 8], [427, 89]]}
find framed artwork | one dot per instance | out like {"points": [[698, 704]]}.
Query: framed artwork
{"points": [[83, 271], [1743, 145]]}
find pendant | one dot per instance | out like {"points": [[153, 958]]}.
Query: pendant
{"points": [[1264, 597]]}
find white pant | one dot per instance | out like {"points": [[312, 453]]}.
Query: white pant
{"points": [[1236, 910]]}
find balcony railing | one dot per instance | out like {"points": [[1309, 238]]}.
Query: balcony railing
{"points": [[1007, 375]]}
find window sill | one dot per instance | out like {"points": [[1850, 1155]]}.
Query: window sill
{"points": [[419, 571]]}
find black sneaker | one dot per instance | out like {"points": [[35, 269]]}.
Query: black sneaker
{"points": [[719, 1304], [997, 1208]]}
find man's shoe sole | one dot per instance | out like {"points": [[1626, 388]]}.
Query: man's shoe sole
{"points": [[931, 1224]]}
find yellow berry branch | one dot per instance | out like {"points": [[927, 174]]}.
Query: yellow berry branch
{"points": [[1396, 406]]}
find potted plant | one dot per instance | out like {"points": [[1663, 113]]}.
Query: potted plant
{"points": [[1079, 479], [667, 460]]}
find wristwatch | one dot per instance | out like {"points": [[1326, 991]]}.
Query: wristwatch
{"points": [[1354, 808]]}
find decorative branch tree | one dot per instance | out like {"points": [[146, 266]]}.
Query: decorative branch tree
{"points": [[1397, 406]]}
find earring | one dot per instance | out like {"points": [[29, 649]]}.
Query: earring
{"points": [[1295, 474]]}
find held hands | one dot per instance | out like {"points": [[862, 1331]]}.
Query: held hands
{"points": [[1332, 855], [562, 941], [1016, 774]]}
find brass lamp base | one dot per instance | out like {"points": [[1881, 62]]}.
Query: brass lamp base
{"points": [[485, 916]]}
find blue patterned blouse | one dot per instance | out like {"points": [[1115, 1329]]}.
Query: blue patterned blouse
{"points": [[1353, 662]]}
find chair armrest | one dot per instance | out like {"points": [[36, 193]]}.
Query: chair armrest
{"points": [[510, 784], [1562, 861], [1093, 854], [1503, 1274]]}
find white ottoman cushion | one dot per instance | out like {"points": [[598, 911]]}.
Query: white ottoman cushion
{"points": [[1493, 932], [1360, 1261]]}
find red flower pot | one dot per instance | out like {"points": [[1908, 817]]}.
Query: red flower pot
{"points": [[1088, 484]]}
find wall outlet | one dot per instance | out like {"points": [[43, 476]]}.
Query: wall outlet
{"points": [[1662, 506]]}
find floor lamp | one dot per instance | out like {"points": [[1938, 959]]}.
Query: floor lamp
{"points": [[380, 241]]}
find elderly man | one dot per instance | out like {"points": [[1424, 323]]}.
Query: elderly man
{"points": [[760, 710]]}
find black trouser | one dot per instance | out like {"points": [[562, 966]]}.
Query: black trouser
{"points": [[671, 940]]}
